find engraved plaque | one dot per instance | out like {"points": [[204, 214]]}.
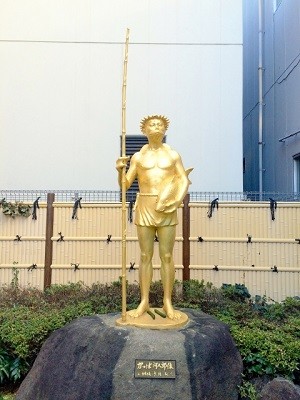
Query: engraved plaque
{"points": [[155, 369]]}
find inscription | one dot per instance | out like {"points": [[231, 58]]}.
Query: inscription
{"points": [[160, 369]]}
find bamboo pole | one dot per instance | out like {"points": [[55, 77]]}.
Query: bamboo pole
{"points": [[124, 219]]}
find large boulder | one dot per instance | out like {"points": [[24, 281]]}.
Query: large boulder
{"points": [[280, 389], [92, 358]]}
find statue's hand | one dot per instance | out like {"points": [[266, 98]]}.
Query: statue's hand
{"points": [[170, 209], [168, 206], [121, 163]]}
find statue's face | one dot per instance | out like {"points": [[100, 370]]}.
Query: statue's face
{"points": [[155, 127]]}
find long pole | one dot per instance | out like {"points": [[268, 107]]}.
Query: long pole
{"points": [[124, 219]]}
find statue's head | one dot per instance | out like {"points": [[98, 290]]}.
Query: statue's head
{"points": [[162, 118]]}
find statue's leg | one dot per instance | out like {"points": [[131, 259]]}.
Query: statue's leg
{"points": [[166, 237], [146, 235]]}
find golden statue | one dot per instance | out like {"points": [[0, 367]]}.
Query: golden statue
{"points": [[163, 183]]}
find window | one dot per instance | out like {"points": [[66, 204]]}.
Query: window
{"points": [[297, 173], [133, 144]]}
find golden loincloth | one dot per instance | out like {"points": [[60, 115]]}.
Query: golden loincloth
{"points": [[146, 215]]}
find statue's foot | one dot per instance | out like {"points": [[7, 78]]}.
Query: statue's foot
{"points": [[142, 308], [169, 310]]}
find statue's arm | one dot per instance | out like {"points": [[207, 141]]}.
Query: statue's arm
{"points": [[175, 190], [183, 181]]}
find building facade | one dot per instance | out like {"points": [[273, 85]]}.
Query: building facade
{"points": [[271, 117], [61, 82]]}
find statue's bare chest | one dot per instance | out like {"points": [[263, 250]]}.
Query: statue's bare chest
{"points": [[156, 160]]}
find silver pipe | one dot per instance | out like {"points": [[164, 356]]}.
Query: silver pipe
{"points": [[260, 96]]}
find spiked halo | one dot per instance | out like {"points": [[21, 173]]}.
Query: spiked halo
{"points": [[155, 116]]}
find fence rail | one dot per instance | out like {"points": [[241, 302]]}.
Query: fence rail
{"points": [[244, 196], [235, 240], [91, 196]]}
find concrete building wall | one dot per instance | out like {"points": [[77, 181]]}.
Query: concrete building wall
{"points": [[61, 80], [281, 94]]}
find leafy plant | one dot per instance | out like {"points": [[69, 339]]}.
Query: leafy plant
{"points": [[265, 349], [24, 330], [15, 209], [236, 292], [248, 391], [11, 367], [7, 396], [4, 366], [15, 280]]}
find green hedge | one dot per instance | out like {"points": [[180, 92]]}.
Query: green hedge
{"points": [[267, 335]]}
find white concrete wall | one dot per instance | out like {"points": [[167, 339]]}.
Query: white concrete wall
{"points": [[61, 80]]}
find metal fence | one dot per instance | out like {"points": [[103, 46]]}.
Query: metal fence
{"points": [[88, 196], [114, 196], [244, 196]]}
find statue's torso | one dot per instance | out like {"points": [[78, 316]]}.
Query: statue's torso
{"points": [[155, 168]]}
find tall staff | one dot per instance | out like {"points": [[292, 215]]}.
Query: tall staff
{"points": [[124, 220]]}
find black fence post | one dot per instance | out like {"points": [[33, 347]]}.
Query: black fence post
{"points": [[186, 238], [48, 242]]}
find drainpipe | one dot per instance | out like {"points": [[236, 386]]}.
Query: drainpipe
{"points": [[260, 97]]}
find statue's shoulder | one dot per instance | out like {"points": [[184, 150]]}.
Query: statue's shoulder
{"points": [[170, 150], [144, 149], [139, 154]]}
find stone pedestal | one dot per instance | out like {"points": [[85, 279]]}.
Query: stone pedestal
{"points": [[92, 359]]}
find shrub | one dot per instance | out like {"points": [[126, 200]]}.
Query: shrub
{"points": [[277, 311], [11, 296], [7, 396], [23, 330], [265, 349], [267, 335], [237, 292], [197, 294], [248, 391], [11, 367]]}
